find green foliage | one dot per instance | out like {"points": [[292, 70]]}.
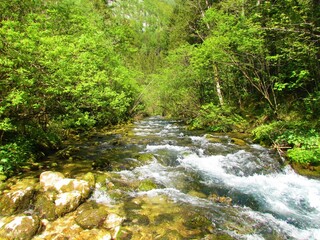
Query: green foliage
{"points": [[217, 118], [300, 137], [58, 67], [304, 156], [13, 156]]}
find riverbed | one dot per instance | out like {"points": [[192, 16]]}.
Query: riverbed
{"points": [[172, 183]]}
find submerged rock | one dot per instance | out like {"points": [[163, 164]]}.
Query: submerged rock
{"points": [[19, 227], [113, 223], [91, 218], [220, 199], [147, 185]]}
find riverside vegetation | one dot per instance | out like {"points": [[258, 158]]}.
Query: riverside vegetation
{"points": [[70, 66]]}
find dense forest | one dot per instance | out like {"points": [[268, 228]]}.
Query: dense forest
{"points": [[68, 66]]}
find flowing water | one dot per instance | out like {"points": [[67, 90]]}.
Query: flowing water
{"points": [[202, 185]]}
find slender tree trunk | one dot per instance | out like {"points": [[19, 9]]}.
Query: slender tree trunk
{"points": [[218, 85]]}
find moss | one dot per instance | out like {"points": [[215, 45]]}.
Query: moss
{"points": [[238, 141], [307, 170], [91, 218], [45, 207], [147, 185], [195, 221], [197, 194], [145, 157]]}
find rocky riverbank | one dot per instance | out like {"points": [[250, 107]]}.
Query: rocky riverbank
{"points": [[52, 207]]}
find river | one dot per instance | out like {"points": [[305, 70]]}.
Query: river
{"points": [[268, 200], [178, 184]]}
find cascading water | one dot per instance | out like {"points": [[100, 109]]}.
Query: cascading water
{"points": [[269, 201], [171, 183]]}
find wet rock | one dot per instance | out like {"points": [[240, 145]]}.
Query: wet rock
{"points": [[67, 202], [61, 229], [67, 185], [49, 179], [213, 139], [94, 234], [91, 218], [18, 198], [197, 194], [238, 141], [220, 199], [45, 206], [89, 178], [113, 223], [56, 181], [19, 227]]}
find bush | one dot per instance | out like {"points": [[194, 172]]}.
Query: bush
{"points": [[217, 119], [301, 137], [13, 156]]}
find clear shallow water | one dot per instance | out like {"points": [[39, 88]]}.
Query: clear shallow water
{"points": [[242, 190], [274, 202]]}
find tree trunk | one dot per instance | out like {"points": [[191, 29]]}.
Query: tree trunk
{"points": [[218, 86]]}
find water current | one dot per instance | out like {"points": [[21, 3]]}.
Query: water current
{"points": [[242, 189]]}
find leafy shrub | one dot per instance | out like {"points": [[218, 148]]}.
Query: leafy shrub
{"points": [[217, 118], [13, 156], [303, 140], [304, 156]]}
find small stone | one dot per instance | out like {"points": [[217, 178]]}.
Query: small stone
{"points": [[113, 223]]}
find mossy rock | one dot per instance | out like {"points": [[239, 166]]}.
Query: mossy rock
{"points": [[307, 170], [137, 219], [20, 227], [213, 139], [18, 198], [90, 178], [91, 218], [147, 185], [238, 141], [45, 207], [145, 157], [197, 194], [195, 221]]}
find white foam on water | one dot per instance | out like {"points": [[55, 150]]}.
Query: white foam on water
{"points": [[174, 195], [101, 196], [284, 226], [286, 194], [159, 173], [152, 148]]}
